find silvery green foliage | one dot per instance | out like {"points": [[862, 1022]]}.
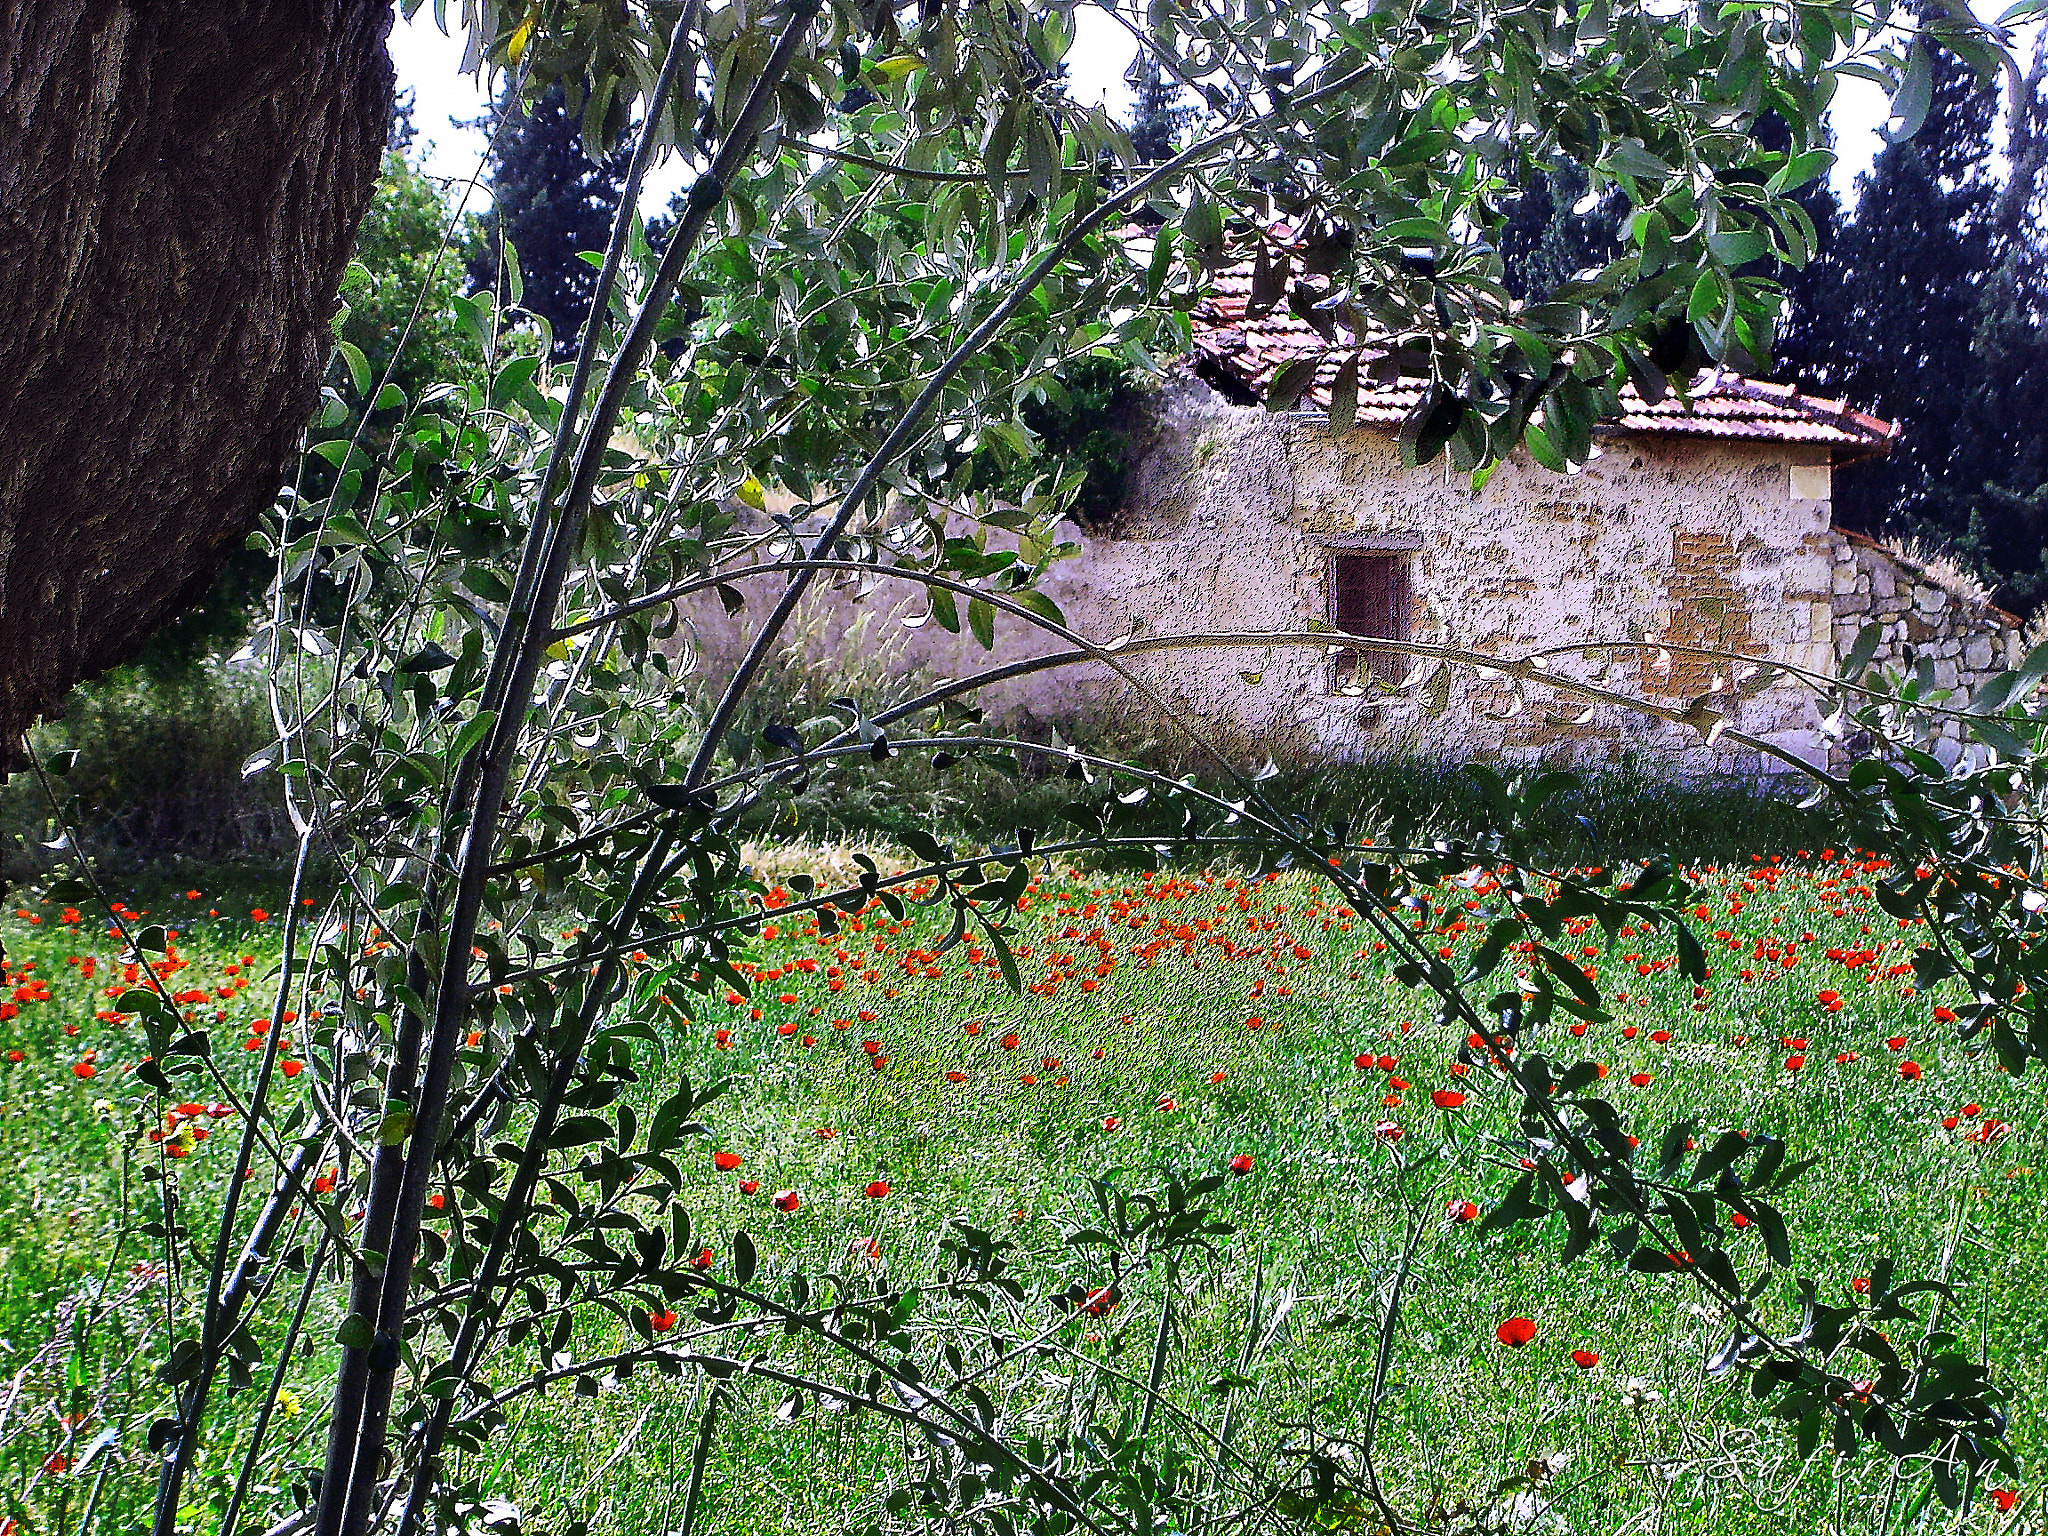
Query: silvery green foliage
{"points": [[488, 718]]}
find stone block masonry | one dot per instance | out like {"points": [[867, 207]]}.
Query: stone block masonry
{"points": [[1933, 620]]}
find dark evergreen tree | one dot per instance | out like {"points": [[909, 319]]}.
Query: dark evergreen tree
{"points": [[399, 140], [1893, 310], [2001, 490], [551, 201], [1793, 354], [1160, 111], [1553, 233]]}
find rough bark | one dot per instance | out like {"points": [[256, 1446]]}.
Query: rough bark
{"points": [[180, 184]]}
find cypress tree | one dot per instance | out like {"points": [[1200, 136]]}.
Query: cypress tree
{"points": [[550, 200], [1159, 113], [1892, 311], [1552, 233]]}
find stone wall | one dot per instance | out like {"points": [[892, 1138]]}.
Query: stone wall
{"points": [[1932, 616], [1233, 519]]}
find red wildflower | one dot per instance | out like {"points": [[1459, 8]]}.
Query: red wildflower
{"points": [[1447, 1098], [1910, 1071], [749, 1186], [702, 1260], [1640, 1079], [725, 1162], [1462, 1210], [876, 1191], [661, 1322], [1516, 1332], [786, 1200], [1242, 1163], [1585, 1359]]}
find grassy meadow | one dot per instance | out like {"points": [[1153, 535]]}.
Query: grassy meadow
{"points": [[1172, 1021]]}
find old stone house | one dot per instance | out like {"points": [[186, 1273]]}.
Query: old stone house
{"points": [[1697, 528]]}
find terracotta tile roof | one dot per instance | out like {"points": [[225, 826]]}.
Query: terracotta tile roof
{"points": [[1248, 353]]}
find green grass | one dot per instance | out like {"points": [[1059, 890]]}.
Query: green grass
{"points": [[1643, 1441]]}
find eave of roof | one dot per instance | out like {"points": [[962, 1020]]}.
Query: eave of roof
{"points": [[1724, 406]]}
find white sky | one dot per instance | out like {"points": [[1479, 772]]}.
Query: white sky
{"points": [[429, 63]]}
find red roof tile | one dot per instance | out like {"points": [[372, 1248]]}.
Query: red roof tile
{"points": [[1721, 405]]}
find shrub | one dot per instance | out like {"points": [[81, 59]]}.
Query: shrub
{"points": [[158, 770]]}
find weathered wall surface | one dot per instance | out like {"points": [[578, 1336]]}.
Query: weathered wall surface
{"points": [[1234, 516]]}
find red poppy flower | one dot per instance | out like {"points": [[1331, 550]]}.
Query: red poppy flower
{"points": [[702, 1260], [876, 1191], [1660, 1037], [1447, 1098], [1362, 1062], [971, 1029], [661, 1322], [956, 1077], [1516, 1332], [1100, 1303], [1579, 1030], [1215, 1077], [1112, 1123], [749, 1186], [1242, 1163], [1009, 1042], [1910, 1071], [1585, 1359], [1794, 1063], [1860, 1285], [1897, 1042], [1640, 1079], [1946, 1015], [2004, 1498], [725, 1162], [1387, 1130], [85, 1069], [786, 1200], [1462, 1210]]}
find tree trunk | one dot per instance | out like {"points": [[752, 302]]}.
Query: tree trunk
{"points": [[180, 184]]}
